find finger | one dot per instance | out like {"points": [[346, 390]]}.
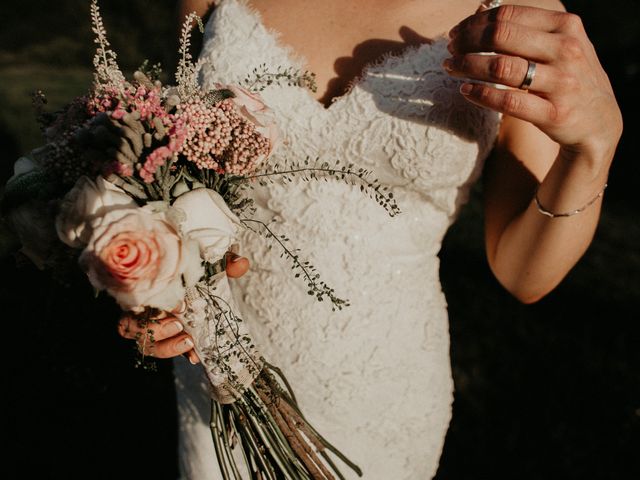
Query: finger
{"points": [[502, 69], [237, 266], [169, 348], [516, 103], [129, 327], [192, 356], [508, 38], [537, 18]]}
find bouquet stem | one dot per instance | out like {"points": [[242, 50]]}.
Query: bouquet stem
{"points": [[253, 406], [276, 441]]}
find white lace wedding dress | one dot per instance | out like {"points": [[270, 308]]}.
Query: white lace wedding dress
{"points": [[375, 378]]}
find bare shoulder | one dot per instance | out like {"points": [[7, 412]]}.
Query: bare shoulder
{"points": [[201, 7], [546, 4]]}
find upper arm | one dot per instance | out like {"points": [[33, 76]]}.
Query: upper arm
{"points": [[201, 7]]}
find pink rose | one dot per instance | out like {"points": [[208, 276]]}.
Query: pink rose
{"points": [[139, 258], [253, 108]]}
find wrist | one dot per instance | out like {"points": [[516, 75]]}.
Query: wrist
{"points": [[576, 180], [596, 153], [590, 163]]}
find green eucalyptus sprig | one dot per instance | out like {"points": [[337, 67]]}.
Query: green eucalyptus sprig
{"points": [[145, 339], [261, 77], [229, 342], [303, 268], [151, 71], [317, 170]]}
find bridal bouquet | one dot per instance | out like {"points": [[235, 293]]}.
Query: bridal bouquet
{"points": [[144, 186]]}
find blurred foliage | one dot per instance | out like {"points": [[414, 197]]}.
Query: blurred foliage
{"points": [[59, 33], [542, 391]]}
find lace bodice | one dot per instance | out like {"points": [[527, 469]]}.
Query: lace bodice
{"points": [[375, 377]]}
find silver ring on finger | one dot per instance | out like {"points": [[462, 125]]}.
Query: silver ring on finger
{"points": [[528, 78]]}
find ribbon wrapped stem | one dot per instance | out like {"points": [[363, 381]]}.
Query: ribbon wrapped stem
{"points": [[253, 406]]}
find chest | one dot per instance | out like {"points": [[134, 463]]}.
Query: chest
{"points": [[338, 39], [403, 118]]}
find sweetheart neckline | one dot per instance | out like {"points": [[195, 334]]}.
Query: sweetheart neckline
{"points": [[300, 61]]}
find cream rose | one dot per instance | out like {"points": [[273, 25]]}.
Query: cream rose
{"points": [[84, 205], [206, 218], [30, 214], [33, 225], [29, 163], [23, 165], [253, 108], [139, 258]]}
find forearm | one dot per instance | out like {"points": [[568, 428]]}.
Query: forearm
{"points": [[535, 252], [569, 102]]}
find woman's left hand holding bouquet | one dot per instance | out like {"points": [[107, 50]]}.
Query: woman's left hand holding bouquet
{"points": [[144, 257], [170, 340]]}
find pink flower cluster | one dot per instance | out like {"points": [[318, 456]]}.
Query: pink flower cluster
{"points": [[219, 138], [136, 98], [148, 103], [231, 136], [104, 100], [160, 155]]}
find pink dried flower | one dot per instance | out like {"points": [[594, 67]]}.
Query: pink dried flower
{"points": [[154, 160], [123, 170], [218, 137]]}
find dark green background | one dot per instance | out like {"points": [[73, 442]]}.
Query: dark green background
{"points": [[544, 391]]}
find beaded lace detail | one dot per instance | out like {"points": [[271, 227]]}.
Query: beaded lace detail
{"points": [[375, 377]]}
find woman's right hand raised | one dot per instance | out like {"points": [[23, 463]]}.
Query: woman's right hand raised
{"points": [[169, 340]]}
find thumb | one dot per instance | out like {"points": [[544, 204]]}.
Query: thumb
{"points": [[236, 265]]}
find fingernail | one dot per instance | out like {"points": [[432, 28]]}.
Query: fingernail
{"points": [[465, 88], [191, 361], [447, 64], [182, 306], [177, 327], [188, 343]]}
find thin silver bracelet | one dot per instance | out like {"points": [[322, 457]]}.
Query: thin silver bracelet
{"points": [[546, 212]]}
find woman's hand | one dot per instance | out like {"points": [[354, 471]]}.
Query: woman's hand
{"points": [[556, 142], [169, 340], [570, 98]]}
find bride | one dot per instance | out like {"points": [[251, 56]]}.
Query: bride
{"points": [[404, 90]]}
